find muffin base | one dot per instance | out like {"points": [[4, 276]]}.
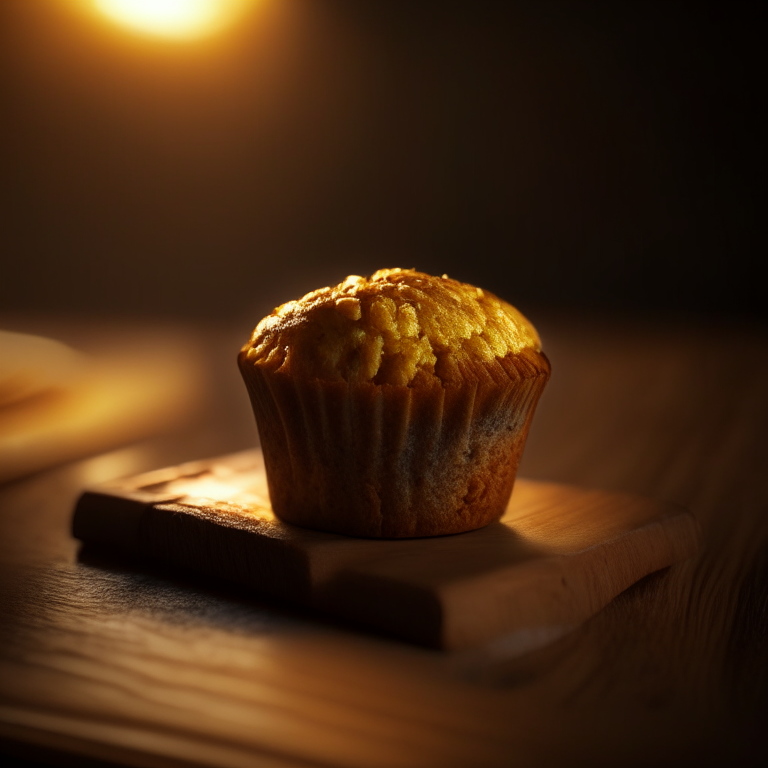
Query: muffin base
{"points": [[386, 461]]}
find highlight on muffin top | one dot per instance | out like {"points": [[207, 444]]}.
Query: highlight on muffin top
{"points": [[395, 327]]}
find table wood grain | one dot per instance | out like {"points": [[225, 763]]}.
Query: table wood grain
{"points": [[103, 660]]}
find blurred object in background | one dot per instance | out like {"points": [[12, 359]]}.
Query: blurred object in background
{"points": [[32, 366], [575, 155], [58, 405]]}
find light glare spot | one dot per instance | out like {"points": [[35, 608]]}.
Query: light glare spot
{"points": [[181, 19]]}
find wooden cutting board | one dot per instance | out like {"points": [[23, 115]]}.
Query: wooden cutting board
{"points": [[558, 555]]}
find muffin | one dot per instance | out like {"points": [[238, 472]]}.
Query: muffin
{"points": [[394, 406]]}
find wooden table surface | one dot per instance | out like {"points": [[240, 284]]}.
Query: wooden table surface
{"points": [[113, 662]]}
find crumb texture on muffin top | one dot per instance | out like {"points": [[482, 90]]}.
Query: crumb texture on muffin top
{"points": [[397, 327]]}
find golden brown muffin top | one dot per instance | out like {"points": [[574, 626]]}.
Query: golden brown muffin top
{"points": [[393, 328]]}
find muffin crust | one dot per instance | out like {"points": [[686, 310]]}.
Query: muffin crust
{"points": [[398, 327]]}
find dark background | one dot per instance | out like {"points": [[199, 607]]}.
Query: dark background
{"points": [[576, 156]]}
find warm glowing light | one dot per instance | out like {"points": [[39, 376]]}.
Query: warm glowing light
{"points": [[180, 19]]}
